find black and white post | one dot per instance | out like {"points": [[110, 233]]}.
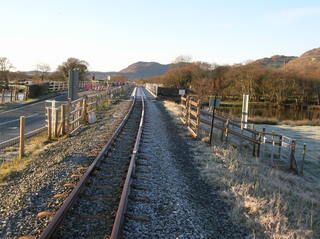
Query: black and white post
{"points": [[245, 111]]}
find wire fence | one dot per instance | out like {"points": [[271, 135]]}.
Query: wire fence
{"points": [[16, 139], [55, 86], [278, 150], [61, 118], [68, 117]]}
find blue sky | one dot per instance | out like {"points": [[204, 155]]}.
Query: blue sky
{"points": [[113, 34]]}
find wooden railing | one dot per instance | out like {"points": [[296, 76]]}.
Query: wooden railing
{"points": [[184, 109], [193, 117], [68, 117], [153, 88], [263, 144], [55, 86], [190, 114]]}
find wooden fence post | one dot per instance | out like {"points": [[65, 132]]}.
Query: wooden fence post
{"points": [[272, 151], [261, 139], [79, 112], [96, 102], [21, 143], [68, 115], [254, 144], [55, 122], [2, 98], [85, 109], [188, 112], [303, 157], [222, 134], [211, 126], [259, 145], [49, 115], [280, 146], [227, 130], [293, 163], [198, 116], [263, 132], [186, 109], [63, 119], [98, 99]]}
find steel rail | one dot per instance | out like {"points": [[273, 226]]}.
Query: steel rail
{"points": [[117, 225], [67, 204]]}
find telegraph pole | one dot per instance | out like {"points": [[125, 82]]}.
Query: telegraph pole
{"points": [[73, 84]]}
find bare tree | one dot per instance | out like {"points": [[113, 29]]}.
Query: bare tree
{"points": [[5, 67], [183, 59], [43, 69]]}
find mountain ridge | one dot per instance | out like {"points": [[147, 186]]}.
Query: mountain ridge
{"points": [[274, 62], [137, 70], [308, 64]]}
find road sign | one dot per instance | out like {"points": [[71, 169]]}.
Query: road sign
{"points": [[182, 92]]}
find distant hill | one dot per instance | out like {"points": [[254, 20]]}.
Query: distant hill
{"points": [[137, 70], [274, 62], [144, 70], [308, 64]]}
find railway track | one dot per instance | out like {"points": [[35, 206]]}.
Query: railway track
{"points": [[96, 206]]}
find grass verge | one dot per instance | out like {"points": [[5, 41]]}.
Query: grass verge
{"points": [[33, 147], [271, 203]]}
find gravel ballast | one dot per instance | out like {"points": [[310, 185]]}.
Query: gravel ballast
{"points": [[169, 199], [31, 190], [92, 215]]}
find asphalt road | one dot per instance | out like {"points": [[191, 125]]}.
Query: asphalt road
{"points": [[34, 118], [35, 115]]}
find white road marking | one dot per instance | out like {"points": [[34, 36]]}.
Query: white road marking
{"points": [[40, 102], [20, 108], [10, 121]]}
